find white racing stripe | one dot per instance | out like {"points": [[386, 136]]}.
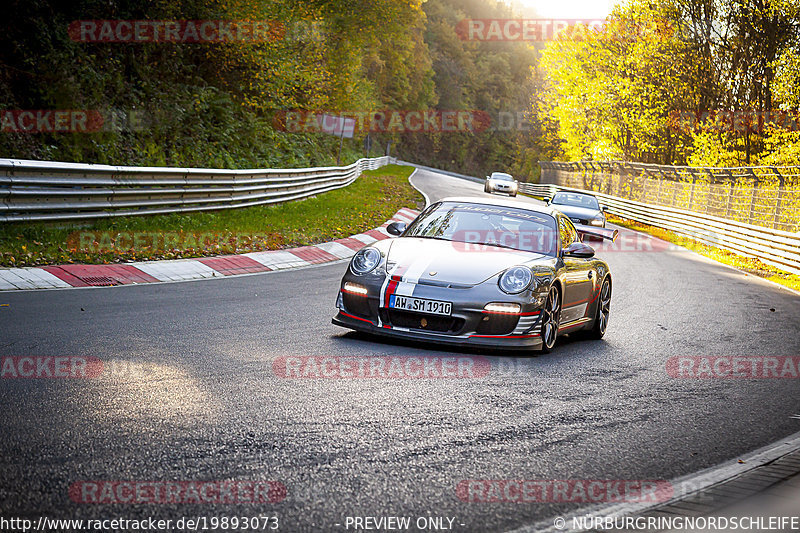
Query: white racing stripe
{"points": [[411, 277]]}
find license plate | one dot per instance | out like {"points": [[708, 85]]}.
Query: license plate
{"points": [[420, 305]]}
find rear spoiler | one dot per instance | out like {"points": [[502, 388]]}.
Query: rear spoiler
{"points": [[597, 232]]}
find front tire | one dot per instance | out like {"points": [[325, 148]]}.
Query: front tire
{"points": [[551, 318], [603, 311]]}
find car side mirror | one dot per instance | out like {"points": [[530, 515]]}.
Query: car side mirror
{"points": [[603, 208], [579, 250], [487, 177], [396, 228]]}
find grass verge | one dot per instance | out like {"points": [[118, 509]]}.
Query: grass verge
{"points": [[363, 205], [746, 264]]}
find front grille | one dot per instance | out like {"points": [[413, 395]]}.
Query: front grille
{"points": [[357, 305], [441, 324], [497, 324]]}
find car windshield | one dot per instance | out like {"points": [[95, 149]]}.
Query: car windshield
{"points": [[491, 225], [577, 200], [502, 177]]}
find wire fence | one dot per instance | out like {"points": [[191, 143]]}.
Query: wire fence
{"points": [[761, 196]]}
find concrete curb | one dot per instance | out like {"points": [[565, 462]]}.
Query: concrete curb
{"points": [[702, 493], [70, 276]]}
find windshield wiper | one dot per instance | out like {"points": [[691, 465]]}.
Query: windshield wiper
{"points": [[498, 245], [428, 237]]}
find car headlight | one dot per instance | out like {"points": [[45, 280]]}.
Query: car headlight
{"points": [[597, 222], [365, 261], [515, 280]]}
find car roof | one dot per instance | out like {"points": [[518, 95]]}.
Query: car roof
{"points": [[501, 174], [503, 203]]}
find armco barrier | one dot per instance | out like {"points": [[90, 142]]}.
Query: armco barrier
{"points": [[50, 191], [772, 246]]}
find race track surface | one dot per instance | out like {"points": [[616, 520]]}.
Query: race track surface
{"points": [[189, 393]]}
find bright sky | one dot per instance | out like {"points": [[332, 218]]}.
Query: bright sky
{"points": [[567, 9]]}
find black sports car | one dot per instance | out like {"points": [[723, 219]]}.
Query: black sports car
{"points": [[468, 271], [580, 207]]}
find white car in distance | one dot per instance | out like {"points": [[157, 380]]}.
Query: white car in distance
{"points": [[501, 182]]}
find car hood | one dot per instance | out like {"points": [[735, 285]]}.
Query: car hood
{"points": [[576, 211], [441, 262]]}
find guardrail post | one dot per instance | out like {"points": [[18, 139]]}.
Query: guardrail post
{"points": [[753, 197], [675, 186], [691, 193], [776, 220], [658, 189], [730, 198]]}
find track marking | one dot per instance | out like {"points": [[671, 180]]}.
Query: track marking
{"points": [[423, 193]]}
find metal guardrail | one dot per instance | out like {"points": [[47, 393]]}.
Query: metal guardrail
{"points": [[767, 196], [50, 191], [772, 246]]}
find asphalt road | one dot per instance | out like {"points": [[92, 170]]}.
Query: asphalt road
{"points": [[190, 394]]}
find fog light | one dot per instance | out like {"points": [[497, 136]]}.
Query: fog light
{"points": [[503, 309], [354, 288]]}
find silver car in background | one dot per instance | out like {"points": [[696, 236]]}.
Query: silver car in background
{"points": [[501, 182], [580, 207]]}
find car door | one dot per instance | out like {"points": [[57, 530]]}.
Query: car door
{"points": [[578, 280]]}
